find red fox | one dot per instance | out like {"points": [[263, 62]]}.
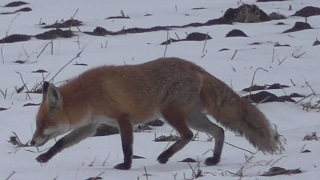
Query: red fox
{"points": [[174, 89]]}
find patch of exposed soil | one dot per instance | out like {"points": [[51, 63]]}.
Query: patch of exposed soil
{"points": [[26, 9], [118, 17], [100, 31], [277, 16], [199, 8], [265, 87], [3, 109], [156, 122], [195, 36], [236, 33], [265, 96], [224, 49], [40, 71], [246, 14], [31, 104], [269, 0], [308, 11], [16, 4], [105, 130], [65, 24], [274, 171], [316, 42], [15, 38], [299, 26], [53, 34], [281, 45], [167, 138], [188, 160]]}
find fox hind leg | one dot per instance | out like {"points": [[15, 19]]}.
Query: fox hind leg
{"points": [[199, 122], [178, 121]]}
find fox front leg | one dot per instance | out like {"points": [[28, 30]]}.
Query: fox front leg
{"points": [[126, 133], [71, 139]]}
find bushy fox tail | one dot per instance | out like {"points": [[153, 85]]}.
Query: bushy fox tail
{"points": [[237, 114]]}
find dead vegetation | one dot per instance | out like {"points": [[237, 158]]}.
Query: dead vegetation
{"points": [[275, 171], [195, 36], [299, 26], [16, 4], [246, 14], [310, 137], [64, 24], [236, 33]]}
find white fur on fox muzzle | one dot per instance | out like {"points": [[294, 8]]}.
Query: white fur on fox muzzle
{"points": [[49, 134], [39, 141]]}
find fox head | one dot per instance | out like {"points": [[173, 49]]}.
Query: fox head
{"points": [[51, 120]]}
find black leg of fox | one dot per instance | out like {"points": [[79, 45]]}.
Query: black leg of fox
{"points": [[177, 120], [126, 133], [199, 122], [69, 140]]}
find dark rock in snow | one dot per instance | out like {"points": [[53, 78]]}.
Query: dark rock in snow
{"points": [[317, 42], [189, 160], [26, 9], [246, 14], [156, 122], [65, 24], [15, 38], [196, 36], [16, 4], [53, 34], [236, 33], [264, 96], [299, 26], [105, 130], [308, 11], [265, 87]]}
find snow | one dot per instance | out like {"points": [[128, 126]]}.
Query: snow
{"points": [[97, 155]]}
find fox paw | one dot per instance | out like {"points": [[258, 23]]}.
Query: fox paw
{"points": [[43, 158], [162, 159], [212, 161], [123, 166]]}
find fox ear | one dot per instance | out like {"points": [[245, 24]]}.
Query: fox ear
{"points": [[52, 96]]}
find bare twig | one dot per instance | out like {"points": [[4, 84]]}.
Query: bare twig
{"points": [[77, 56], [165, 50], [7, 36], [280, 62], [10, 175], [91, 164], [304, 98], [292, 82], [310, 87], [4, 93], [50, 42], [24, 84], [72, 18], [234, 54], [146, 173], [239, 148], [176, 35], [272, 55], [253, 79], [205, 43]]}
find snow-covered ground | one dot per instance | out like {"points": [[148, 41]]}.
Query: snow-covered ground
{"points": [[96, 156]]}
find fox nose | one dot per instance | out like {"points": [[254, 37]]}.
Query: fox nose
{"points": [[32, 143]]}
